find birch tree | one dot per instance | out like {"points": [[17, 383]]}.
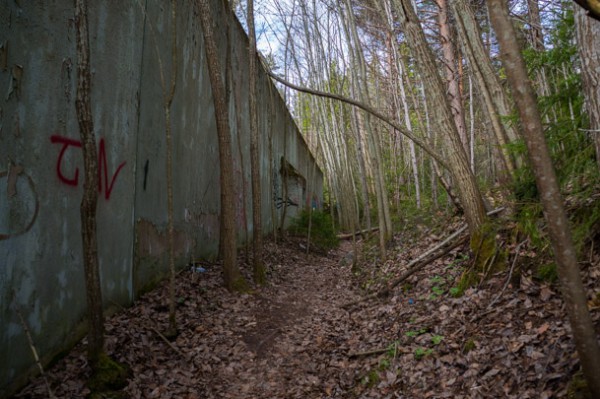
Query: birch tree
{"points": [[451, 72], [362, 92], [496, 102]]}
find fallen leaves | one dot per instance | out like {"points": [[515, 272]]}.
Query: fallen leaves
{"points": [[292, 339]]}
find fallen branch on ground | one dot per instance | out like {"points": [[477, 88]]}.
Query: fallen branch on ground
{"points": [[451, 242], [361, 232], [368, 353], [34, 351]]}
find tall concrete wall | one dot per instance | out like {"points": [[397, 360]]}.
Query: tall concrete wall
{"points": [[41, 168]]}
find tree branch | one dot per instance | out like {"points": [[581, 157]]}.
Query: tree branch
{"points": [[422, 144]]}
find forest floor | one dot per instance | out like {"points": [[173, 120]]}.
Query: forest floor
{"points": [[294, 339]]}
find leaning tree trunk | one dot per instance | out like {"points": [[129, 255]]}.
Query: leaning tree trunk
{"points": [[558, 224], [234, 281], [588, 32], [89, 202], [469, 194]]}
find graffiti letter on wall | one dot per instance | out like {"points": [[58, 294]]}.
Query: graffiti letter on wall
{"points": [[21, 207], [66, 142], [102, 165]]}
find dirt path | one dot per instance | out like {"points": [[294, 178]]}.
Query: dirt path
{"points": [[278, 342], [295, 317]]}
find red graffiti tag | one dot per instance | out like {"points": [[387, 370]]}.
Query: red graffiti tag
{"points": [[102, 165], [66, 142]]}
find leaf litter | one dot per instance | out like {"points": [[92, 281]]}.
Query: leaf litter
{"points": [[293, 339]]}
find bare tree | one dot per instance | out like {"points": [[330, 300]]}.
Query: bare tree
{"points": [[361, 90], [451, 71], [106, 373], [89, 202], [572, 288], [233, 278], [588, 32], [468, 191], [259, 267], [496, 102]]}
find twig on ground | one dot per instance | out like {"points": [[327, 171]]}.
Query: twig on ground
{"points": [[368, 353], [153, 329], [34, 351], [512, 267], [167, 341]]}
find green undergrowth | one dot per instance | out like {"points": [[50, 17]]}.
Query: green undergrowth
{"points": [[571, 147], [323, 235], [582, 205]]}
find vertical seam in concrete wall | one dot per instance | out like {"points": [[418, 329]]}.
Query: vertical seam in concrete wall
{"points": [[137, 151]]}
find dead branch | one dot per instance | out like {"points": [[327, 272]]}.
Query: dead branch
{"points": [[451, 242], [367, 353], [167, 341], [510, 273], [34, 352], [361, 232]]}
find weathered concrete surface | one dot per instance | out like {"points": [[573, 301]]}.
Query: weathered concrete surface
{"points": [[41, 168]]}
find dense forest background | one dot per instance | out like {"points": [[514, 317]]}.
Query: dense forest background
{"points": [[357, 49]]}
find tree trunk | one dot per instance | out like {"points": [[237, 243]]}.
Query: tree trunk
{"points": [[558, 224], [257, 245], [89, 201], [588, 32], [234, 281], [535, 25], [169, 94], [397, 69], [468, 192], [495, 99], [454, 95], [373, 147]]}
